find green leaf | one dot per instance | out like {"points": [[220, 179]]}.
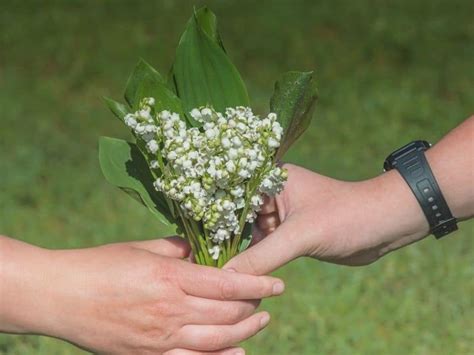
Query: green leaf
{"points": [[143, 72], [208, 22], [293, 101], [145, 81], [165, 99], [124, 166], [118, 109], [203, 74]]}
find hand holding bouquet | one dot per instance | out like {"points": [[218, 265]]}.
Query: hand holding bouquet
{"points": [[203, 160]]}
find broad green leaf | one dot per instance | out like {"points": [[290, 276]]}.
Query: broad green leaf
{"points": [[143, 72], [141, 145], [124, 166], [170, 81], [118, 109], [147, 82], [293, 101], [208, 22], [203, 74], [165, 99]]}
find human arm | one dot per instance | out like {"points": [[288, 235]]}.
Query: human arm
{"points": [[128, 298], [356, 223]]}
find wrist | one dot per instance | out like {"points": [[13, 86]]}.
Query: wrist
{"points": [[27, 287], [395, 216]]}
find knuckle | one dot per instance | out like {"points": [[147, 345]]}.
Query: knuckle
{"points": [[163, 309], [164, 272], [216, 340], [150, 340], [227, 289], [268, 221], [170, 310]]}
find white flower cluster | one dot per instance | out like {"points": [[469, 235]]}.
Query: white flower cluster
{"points": [[216, 172]]}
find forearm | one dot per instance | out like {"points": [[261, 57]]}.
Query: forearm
{"points": [[25, 288], [355, 223], [396, 217], [452, 162]]}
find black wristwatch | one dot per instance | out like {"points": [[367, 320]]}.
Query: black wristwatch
{"points": [[411, 163]]}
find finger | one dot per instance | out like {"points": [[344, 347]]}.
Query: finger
{"points": [[218, 312], [214, 337], [228, 351], [269, 205], [174, 247], [269, 254], [257, 234], [268, 221], [213, 283]]}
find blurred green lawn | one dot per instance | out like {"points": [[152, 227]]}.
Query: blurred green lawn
{"points": [[388, 72]]}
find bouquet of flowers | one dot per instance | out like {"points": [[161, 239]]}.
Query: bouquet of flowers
{"points": [[202, 160]]}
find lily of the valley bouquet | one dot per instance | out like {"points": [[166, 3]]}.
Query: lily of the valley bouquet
{"points": [[202, 160]]}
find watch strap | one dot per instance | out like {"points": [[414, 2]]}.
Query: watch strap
{"points": [[416, 171]]}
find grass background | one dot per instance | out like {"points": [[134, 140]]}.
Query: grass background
{"points": [[388, 72]]}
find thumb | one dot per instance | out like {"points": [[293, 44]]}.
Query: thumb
{"points": [[274, 251], [173, 247]]}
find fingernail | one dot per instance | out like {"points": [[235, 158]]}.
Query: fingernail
{"points": [[264, 320], [278, 288], [239, 352]]}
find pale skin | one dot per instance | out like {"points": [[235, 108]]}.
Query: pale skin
{"points": [[129, 298], [356, 223], [140, 298]]}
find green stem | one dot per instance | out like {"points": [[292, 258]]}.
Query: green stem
{"points": [[202, 242], [249, 191], [243, 217], [190, 236]]}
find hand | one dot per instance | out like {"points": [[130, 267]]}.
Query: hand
{"points": [[355, 223], [130, 298], [352, 223]]}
